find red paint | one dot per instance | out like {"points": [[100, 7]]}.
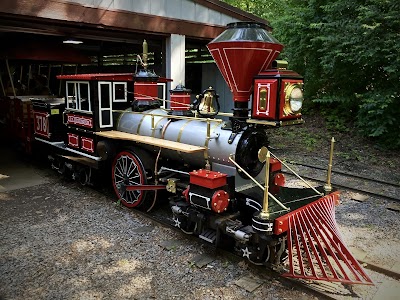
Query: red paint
{"points": [[178, 99], [269, 81], [83, 121], [145, 91], [268, 89], [240, 61], [185, 193], [279, 179], [105, 77], [41, 124], [275, 165], [220, 201], [141, 178], [87, 144], [73, 140], [316, 250], [281, 223], [145, 187], [208, 179]]}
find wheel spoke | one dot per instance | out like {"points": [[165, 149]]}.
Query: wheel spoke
{"points": [[129, 164], [133, 169], [131, 180], [119, 170], [120, 165], [128, 171], [128, 197], [118, 175], [118, 182], [126, 161], [135, 194]]}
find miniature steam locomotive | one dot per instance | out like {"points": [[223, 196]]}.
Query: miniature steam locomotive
{"points": [[221, 181]]}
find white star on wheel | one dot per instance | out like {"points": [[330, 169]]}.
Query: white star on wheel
{"points": [[246, 253], [177, 222]]}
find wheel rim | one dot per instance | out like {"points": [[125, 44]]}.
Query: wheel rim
{"points": [[128, 170]]}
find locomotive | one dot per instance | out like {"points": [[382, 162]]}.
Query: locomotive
{"points": [[213, 168]]}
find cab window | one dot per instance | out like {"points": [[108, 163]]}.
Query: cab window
{"points": [[78, 95]]}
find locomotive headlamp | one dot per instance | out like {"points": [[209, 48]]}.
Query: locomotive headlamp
{"points": [[293, 99]]}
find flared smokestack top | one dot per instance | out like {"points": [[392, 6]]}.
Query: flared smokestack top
{"points": [[241, 52]]}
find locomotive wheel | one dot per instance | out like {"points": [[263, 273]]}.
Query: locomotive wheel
{"points": [[184, 224], [128, 169], [278, 254]]}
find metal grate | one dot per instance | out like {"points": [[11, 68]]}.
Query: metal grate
{"points": [[316, 248]]}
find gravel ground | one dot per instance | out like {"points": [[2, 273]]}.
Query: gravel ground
{"points": [[64, 241]]}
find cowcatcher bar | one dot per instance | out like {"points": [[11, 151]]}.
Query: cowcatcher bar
{"points": [[316, 248]]}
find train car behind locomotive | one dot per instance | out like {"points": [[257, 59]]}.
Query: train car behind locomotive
{"points": [[223, 183]]}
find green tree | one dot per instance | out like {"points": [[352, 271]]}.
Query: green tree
{"points": [[349, 54], [266, 9]]}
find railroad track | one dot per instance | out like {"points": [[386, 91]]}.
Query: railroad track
{"points": [[349, 181], [319, 289]]}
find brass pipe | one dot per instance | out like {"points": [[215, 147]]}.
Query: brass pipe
{"points": [[297, 175], [256, 182], [265, 211], [169, 116], [208, 137], [145, 53], [208, 128], [328, 185], [156, 98], [244, 171]]}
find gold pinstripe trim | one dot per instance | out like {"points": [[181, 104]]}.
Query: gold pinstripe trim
{"points": [[156, 125], [181, 131], [141, 121], [140, 124], [208, 141], [121, 114], [180, 135]]}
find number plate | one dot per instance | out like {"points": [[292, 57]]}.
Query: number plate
{"points": [[42, 124]]}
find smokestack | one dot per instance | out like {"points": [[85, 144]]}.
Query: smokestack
{"points": [[241, 52]]}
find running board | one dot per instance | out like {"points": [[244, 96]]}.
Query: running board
{"points": [[209, 235], [316, 248]]}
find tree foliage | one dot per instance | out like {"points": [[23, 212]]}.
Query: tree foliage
{"points": [[349, 54]]}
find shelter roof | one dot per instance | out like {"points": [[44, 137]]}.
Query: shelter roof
{"points": [[199, 19]]}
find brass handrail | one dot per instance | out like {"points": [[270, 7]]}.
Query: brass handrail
{"points": [[257, 183]]}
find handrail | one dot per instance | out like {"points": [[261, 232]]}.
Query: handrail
{"points": [[257, 183], [298, 176]]}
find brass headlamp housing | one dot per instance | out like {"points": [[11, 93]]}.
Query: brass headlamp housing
{"points": [[293, 98]]}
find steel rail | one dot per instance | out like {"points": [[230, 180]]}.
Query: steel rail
{"points": [[349, 188], [267, 273], [263, 271], [345, 173]]}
